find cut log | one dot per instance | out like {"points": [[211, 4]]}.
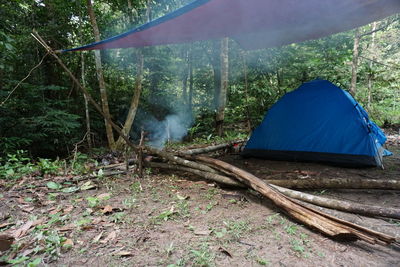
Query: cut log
{"points": [[348, 206], [325, 223], [338, 183]]}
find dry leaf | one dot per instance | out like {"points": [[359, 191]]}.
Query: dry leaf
{"points": [[97, 238], [6, 242], [202, 232], [67, 227], [123, 253], [224, 251], [68, 209], [107, 209], [26, 208], [104, 196], [111, 236], [22, 230], [97, 220], [68, 242], [20, 200], [53, 211], [48, 202], [4, 225]]}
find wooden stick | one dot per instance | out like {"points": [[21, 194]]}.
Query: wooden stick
{"points": [[337, 183], [140, 155]]}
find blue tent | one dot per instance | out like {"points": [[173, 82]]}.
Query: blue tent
{"points": [[318, 122]]}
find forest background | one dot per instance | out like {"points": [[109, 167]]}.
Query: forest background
{"points": [[180, 84]]}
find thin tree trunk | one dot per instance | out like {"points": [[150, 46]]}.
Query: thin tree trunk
{"points": [[354, 63], [87, 114], [246, 89], [185, 76], [138, 88], [135, 100], [370, 73], [148, 11], [220, 115], [190, 76], [100, 76]]}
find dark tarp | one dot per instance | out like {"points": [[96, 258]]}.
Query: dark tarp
{"points": [[253, 23]]}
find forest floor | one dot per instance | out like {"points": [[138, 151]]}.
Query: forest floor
{"points": [[166, 219]]}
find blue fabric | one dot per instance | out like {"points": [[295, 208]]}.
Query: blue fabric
{"points": [[319, 117]]}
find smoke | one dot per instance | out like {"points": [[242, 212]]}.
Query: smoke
{"points": [[173, 128]]}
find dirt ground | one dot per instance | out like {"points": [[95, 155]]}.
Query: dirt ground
{"points": [[166, 219]]}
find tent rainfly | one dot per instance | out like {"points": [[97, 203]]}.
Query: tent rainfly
{"points": [[253, 23], [318, 122]]}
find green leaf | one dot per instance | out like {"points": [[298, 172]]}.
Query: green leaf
{"points": [[70, 189], [53, 185], [35, 262]]}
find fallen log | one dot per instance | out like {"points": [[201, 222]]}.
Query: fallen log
{"points": [[212, 148], [348, 206], [338, 183], [325, 223]]}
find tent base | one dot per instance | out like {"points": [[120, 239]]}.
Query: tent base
{"points": [[344, 160]]}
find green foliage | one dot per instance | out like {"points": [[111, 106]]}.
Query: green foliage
{"points": [[14, 166], [45, 115], [203, 256]]}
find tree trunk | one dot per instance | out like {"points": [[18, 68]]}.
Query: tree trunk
{"points": [[370, 72], [185, 76], [246, 89], [87, 114], [354, 63], [148, 11], [190, 76], [221, 101], [100, 76], [135, 100]]}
